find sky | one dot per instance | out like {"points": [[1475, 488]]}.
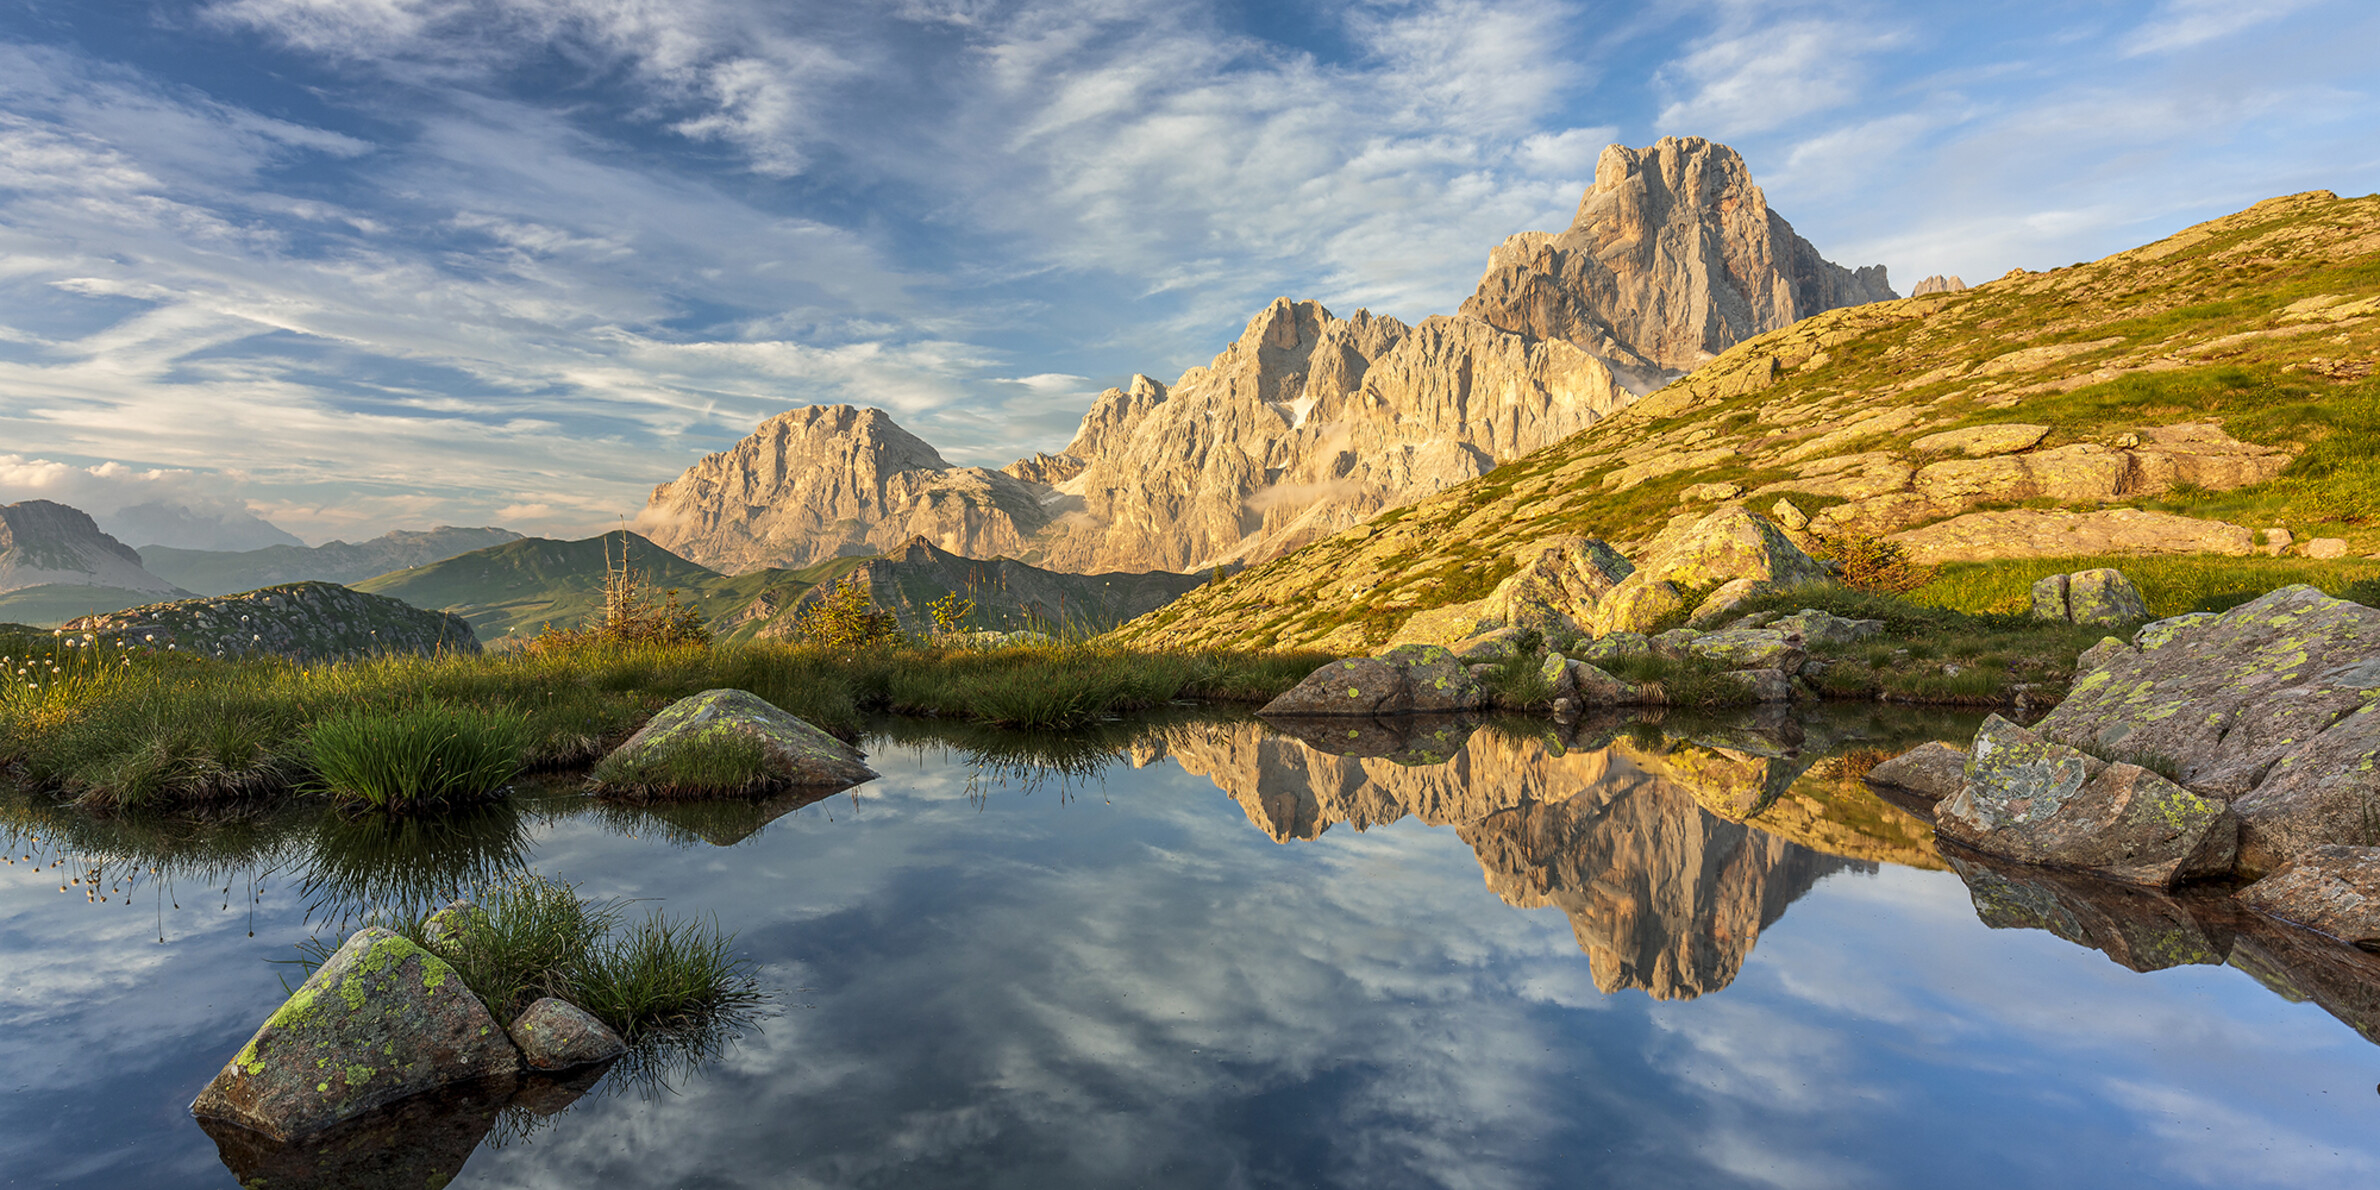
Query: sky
{"points": [[357, 265]]}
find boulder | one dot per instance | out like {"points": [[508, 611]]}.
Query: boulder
{"points": [[2034, 801], [1557, 588], [1763, 685], [1616, 646], [383, 1019], [1590, 686], [1825, 628], [2101, 596], [1406, 679], [2056, 533], [2159, 633], [2326, 548], [558, 1035], [796, 753], [1496, 644], [2270, 705], [1933, 771], [1715, 552], [1749, 648], [2328, 888]]}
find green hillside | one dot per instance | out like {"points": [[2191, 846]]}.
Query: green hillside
{"points": [[517, 587], [2187, 395]]}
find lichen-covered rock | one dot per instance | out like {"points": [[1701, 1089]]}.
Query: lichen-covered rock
{"points": [[1591, 686], [443, 930], [2159, 633], [1748, 648], [1763, 685], [2328, 888], [2270, 705], [794, 753], [299, 621], [1825, 628], [2035, 801], [1716, 551], [1933, 770], [2102, 596], [1406, 679], [1496, 644], [1557, 588], [558, 1035], [381, 1020], [1617, 646]]}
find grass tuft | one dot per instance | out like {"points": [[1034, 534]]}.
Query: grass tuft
{"points": [[426, 755]]}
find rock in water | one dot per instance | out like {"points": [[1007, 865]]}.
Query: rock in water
{"points": [[558, 1035], [2038, 802], [794, 752], [382, 1020], [1933, 771], [2270, 705], [2328, 888], [1404, 680]]}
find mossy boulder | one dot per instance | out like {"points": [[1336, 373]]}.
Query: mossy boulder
{"points": [[1408, 679], [727, 742], [382, 1020], [2039, 802]]}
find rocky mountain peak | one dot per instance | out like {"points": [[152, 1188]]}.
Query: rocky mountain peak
{"points": [[1674, 256], [43, 542]]}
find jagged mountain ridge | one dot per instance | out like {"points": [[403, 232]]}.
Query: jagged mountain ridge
{"points": [[2231, 365], [1308, 423], [55, 563]]}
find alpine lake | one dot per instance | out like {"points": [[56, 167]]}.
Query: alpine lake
{"points": [[1197, 949]]}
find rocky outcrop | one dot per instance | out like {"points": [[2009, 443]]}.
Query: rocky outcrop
{"points": [[1408, 679], [300, 621], [2039, 802], [1722, 558], [2061, 533], [213, 572], [2102, 596], [44, 543], [1674, 256], [1554, 591], [1931, 771], [2268, 706], [380, 1021], [827, 481], [1937, 283], [667, 756]]}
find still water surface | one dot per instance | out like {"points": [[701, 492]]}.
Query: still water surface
{"points": [[1214, 954]]}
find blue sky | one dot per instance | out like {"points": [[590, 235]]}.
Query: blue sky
{"points": [[368, 264]]}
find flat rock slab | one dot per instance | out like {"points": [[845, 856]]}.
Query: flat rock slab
{"points": [[797, 754], [1933, 771], [382, 1020], [558, 1035], [2039, 802], [2331, 889]]}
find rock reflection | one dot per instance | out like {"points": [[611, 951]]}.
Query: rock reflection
{"points": [[1668, 845], [422, 1141], [2148, 930]]}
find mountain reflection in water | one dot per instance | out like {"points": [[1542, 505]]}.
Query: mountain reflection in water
{"points": [[1015, 959]]}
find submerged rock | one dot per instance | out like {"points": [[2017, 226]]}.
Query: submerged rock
{"points": [[1406, 679], [383, 1019], [794, 753], [2331, 889], [558, 1035], [2035, 801]]}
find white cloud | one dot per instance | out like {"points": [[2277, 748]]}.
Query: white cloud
{"points": [[1759, 78], [2184, 24]]}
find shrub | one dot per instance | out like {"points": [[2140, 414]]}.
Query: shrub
{"points": [[847, 619], [424, 755], [1870, 563], [633, 614]]}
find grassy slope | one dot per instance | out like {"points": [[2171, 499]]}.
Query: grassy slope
{"points": [[521, 585], [2196, 327]]}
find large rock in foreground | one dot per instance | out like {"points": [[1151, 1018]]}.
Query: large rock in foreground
{"points": [[1404, 680], [2273, 706], [382, 1020], [1727, 556], [2330, 889], [300, 621], [792, 752], [2038, 802]]}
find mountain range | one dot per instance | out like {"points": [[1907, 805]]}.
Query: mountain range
{"points": [[1309, 423]]}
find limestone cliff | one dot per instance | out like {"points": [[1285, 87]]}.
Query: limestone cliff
{"points": [[44, 543], [827, 481], [1674, 257]]}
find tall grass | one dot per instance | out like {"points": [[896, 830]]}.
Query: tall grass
{"points": [[2171, 585], [133, 727], [429, 754]]}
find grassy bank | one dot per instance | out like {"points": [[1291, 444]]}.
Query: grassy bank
{"points": [[120, 726], [2170, 585]]}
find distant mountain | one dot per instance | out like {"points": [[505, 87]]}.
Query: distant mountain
{"points": [[187, 528], [215, 572], [518, 587], [1309, 423], [55, 564]]}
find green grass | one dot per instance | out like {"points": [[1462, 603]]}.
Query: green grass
{"points": [[421, 756], [2171, 585], [728, 767], [123, 728]]}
